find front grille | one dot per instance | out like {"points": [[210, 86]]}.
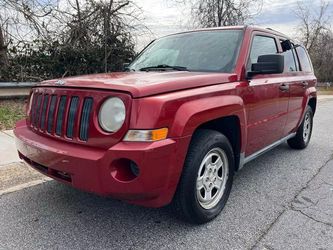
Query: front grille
{"points": [[61, 115]]}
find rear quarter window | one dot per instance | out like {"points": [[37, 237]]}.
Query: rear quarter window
{"points": [[304, 59]]}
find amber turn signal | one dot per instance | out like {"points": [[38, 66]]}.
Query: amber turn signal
{"points": [[146, 135]]}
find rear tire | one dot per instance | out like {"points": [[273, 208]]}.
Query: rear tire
{"points": [[206, 179], [304, 132]]}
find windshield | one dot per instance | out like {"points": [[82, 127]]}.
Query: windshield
{"points": [[207, 51]]}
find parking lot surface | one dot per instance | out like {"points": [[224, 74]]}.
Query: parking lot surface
{"points": [[282, 200]]}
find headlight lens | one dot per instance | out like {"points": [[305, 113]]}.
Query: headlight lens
{"points": [[112, 114]]}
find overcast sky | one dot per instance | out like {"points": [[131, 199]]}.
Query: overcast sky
{"points": [[163, 17]]}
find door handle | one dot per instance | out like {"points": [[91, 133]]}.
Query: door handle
{"points": [[284, 87], [304, 84]]}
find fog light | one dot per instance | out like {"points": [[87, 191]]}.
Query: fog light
{"points": [[134, 169], [124, 170]]}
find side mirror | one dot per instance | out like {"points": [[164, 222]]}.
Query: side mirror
{"points": [[268, 64], [286, 45]]}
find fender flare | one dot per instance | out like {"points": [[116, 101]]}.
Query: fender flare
{"points": [[310, 93], [194, 113]]}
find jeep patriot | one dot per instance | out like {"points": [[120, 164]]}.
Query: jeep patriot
{"points": [[173, 128]]}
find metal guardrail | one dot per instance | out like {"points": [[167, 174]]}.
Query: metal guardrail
{"points": [[324, 84], [10, 90]]}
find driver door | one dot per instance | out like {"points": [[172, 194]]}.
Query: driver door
{"points": [[267, 99]]}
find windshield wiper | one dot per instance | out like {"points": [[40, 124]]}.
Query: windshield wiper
{"points": [[164, 66]]}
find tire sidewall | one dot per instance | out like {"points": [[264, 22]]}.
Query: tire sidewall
{"points": [[298, 142], [308, 111], [219, 141]]}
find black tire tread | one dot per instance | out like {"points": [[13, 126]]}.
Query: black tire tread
{"points": [[297, 142]]}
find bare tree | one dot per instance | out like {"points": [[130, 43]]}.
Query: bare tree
{"points": [[26, 13], [110, 23], [70, 37], [3, 50], [312, 22], [322, 55], [317, 36], [216, 13], [18, 16]]}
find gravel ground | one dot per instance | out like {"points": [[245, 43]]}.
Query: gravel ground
{"points": [[261, 212]]}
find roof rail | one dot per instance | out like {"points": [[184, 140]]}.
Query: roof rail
{"points": [[275, 31]]}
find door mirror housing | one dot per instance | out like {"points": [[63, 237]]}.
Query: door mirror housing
{"points": [[268, 64], [286, 45]]}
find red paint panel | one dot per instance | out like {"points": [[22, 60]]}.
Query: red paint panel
{"points": [[179, 101]]}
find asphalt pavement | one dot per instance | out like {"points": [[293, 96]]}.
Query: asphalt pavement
{"points": [[282, 200]]}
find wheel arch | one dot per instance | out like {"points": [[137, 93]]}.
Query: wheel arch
{"points": [[230, 127], [225, 114], [313, 104], [311, 99]]}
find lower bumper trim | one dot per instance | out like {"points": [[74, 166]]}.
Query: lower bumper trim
{"points": [[48, 171]]}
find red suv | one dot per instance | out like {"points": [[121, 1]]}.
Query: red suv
{"points": [[188, 113]]}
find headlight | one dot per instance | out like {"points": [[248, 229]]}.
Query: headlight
{"points": [[112, 114]]}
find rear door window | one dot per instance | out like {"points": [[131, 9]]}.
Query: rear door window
{"points": [[289, 61], [304, 60]]}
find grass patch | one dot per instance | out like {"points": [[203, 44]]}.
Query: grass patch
{"points": [[325, 90], [10, 112]]}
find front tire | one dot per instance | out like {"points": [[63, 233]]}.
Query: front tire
{"points": [[304, 132], [207, 178]]}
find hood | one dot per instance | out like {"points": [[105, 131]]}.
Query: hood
{"points": [[140, 84]]}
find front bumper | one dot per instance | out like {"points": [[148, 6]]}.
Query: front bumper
{"points": [[104, 171]]}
